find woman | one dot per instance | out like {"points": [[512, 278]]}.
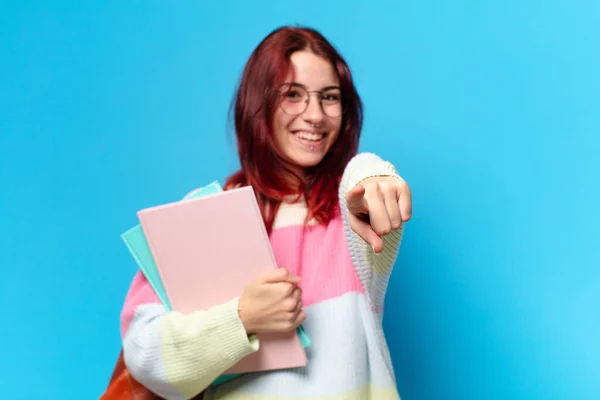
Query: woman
{"points": [[335, 223]]}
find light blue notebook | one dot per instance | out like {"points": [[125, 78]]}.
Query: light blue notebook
{"points": [[135, 240]]}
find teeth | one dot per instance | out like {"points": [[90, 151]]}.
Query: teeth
{"points": [[310, 136]]}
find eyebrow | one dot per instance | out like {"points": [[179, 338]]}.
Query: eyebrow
{"points": [[330, 87]]}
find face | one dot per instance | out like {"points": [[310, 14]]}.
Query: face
{"points": [[304, 133]]}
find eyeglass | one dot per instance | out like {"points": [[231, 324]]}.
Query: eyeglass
{"points": [[294, 100]]}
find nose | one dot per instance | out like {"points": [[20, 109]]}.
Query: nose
{"points": [[314, 113]]}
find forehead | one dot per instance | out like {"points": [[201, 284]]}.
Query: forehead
{"points": [[312, 71]]}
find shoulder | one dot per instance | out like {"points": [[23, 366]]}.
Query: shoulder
{"points": [[140, 292]]}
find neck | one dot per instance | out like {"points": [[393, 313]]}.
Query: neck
{"points": [[295, 177]]}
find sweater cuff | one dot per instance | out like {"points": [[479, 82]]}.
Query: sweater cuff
{"points": [[236, 342], [364, 166]]}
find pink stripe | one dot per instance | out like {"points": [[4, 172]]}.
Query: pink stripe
{"points": [[140, 292], [325, 265]]}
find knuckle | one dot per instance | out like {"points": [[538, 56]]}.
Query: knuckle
{"points": [[284, 288], [384, 186], [288, 326], [290, 305], [289, 288]]}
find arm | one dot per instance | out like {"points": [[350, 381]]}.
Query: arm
{"points": [[178, 356], [373, 269]]}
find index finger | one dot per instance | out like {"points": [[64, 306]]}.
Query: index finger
{"points": [[279, 275]]}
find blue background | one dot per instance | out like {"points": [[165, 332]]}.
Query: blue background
{"points": [[489, 109]]}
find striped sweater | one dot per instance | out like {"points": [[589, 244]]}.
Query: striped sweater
{"points": [[344, 284]]}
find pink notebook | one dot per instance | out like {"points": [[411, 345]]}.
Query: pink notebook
{"points": [[206, 251]]}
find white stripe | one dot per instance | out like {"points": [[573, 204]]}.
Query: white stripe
{"points": [[142, 351], [292, 214], [346, 354]]}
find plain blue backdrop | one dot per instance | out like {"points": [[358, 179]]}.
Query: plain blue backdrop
{"points": [[490, 110]]}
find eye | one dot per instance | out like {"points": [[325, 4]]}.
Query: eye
{"points": [[331, 98], [293, 95]]}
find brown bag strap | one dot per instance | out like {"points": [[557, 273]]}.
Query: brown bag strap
{"points": [[122, 386]]}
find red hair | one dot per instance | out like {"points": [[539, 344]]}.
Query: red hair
{"points": [[254, 108]]}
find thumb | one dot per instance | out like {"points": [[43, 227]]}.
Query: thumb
{"points": [[366, 232], [279, 275], [355, 200]]}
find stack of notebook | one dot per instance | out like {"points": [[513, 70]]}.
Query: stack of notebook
{"points": [[202, 251]]}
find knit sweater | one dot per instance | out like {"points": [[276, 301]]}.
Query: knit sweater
{"points": [[343, 283]]}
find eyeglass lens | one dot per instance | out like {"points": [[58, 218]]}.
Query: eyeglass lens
{"points": [[295, 100]]}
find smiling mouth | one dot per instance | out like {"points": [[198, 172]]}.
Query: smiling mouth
{"points": [[309, 138]]}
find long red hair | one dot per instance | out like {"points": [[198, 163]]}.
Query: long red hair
{"points": [[254, 107]]}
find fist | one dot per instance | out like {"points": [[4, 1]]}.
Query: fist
{"points": [[272, 303], [378, 206]]}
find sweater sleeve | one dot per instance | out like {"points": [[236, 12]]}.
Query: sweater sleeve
{"points": [[373, 269], [174, 355]]}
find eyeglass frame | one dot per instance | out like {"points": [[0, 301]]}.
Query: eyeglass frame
{"points": [[307, 101]]}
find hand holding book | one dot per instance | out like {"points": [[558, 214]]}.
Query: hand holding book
{"points": [[272, 303]]}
